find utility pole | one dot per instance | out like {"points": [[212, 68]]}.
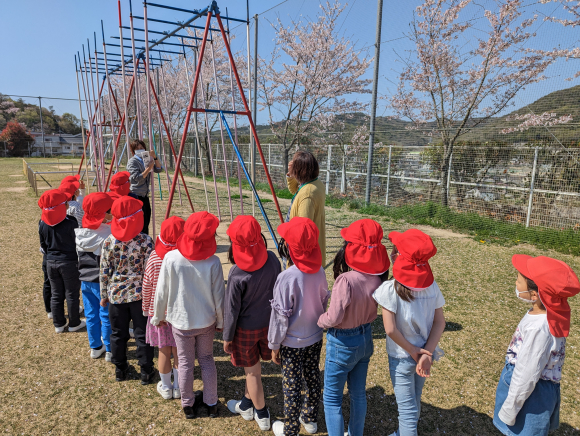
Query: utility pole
{"points": [[42, 128], [255, 94], [374, 102]]}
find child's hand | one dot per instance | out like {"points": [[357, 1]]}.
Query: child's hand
{"points": [[424, 365], [81, 184], [416, 354], [219, 330], [228, 347], [276, 357], [104, 302]]}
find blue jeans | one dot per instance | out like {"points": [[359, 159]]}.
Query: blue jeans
{"points": [[348, 352], [408, 387], [98, 324], [540, 412]]}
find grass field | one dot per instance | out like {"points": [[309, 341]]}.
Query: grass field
{"points": [[51, 386]]}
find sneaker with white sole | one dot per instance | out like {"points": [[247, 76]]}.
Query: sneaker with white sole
{"points": [[82, 325], [167, 394], [49, 314], [96, 353], [176, 393], [234, 407], [59, 329], [310, 427], [278, 428], [108, 356], [263, 423]]}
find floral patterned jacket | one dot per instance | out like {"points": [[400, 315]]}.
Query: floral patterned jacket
{"points": [[123, 267]]}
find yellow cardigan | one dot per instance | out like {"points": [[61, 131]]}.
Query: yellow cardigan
{"points": [[309, 203]]}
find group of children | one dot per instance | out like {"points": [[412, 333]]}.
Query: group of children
{"points": [[173, 292]]}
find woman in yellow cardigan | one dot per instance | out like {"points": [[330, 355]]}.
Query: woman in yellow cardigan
{"points": [[309, 194]]}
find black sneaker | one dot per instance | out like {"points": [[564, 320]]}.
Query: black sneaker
{"points": [[147, 377], [189, 412], [121, 373], [212, 411]]}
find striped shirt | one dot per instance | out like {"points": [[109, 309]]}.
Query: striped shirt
{"points": [[76, 210], [150, 283]]}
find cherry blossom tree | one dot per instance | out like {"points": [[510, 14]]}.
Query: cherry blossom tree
{"points": [[458, 78], [308, 75]]}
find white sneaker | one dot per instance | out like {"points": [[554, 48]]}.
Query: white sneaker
{"points": [[49, 314], [108, 356], [278, 428], [176, 393], [234, 407], [81, 309], [82, 325], [264, 423], [131, 333], [167, 394], [310, 427], [95, 354], [59, 329]]}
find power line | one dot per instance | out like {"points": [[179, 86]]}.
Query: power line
{"points": [[36, 96]]}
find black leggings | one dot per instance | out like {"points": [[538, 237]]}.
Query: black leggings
{"points": [[146, 212]]}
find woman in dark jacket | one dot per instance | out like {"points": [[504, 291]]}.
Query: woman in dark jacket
{"points": [[140, 178]]}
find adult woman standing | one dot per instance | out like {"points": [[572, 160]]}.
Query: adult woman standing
{"points": [[140, 178], [309, 194]]}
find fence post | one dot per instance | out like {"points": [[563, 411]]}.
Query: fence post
{"points": [[388, 175], [449, 176], [343, 173], [328, 168], [532, 188], [270, 158]]}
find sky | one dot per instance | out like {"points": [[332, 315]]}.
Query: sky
{"points": [[41, 38]]}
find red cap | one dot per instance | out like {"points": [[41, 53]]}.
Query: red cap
{"points": [[301, 235], [69, 187], [171, 230], [248, 247], [128, 218], [53, 205], [411, 268], [556, 283], [67, 179], [198, 239], [365, 253], [95, 206], [120, 184]]}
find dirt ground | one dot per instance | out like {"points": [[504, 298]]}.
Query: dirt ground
{"points": [[51, 386]]}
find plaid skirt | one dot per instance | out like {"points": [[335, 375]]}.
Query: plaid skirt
{"points": [[249, 346]]}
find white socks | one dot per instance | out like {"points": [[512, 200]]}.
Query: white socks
{"points": [[166, 380], [175, 378]]}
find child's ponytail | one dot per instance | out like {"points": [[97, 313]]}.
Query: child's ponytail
{"points": [[340, 265], [404, 292], [284, 252]]}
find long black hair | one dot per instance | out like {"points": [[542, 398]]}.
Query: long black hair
{"points": [[340, 266], [284, 252], [231, 252]]}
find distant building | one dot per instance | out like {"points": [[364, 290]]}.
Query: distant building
{"points": [[62, 144]]}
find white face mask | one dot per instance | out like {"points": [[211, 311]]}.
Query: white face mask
{"points": [[523, 299]]}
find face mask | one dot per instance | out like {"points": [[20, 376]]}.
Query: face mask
{"points": [[523, 299]]}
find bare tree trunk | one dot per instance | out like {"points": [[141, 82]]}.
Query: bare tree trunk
{"points": [[285, 157], [447, 149]]}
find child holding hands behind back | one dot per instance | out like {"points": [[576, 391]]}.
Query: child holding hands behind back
{"points": [[527, 400], [414, 322]]}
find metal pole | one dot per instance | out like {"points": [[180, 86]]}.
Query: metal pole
{"points": [[42, 128], [532, 188], [374, 102], [255, 94], [136, 74], [125, 101], [82, 123], [328, 168], [250, 95], [449, 176], [388, 175]]}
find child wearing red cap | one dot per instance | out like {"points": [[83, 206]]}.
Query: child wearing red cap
{"points": [[300, 297], [74, 188], [120, 185], [162, 336], [57, 240], [414, 322], [123, 258], [89, 241], [247, 312], [360, 266], [527, 399], [190, 296]]}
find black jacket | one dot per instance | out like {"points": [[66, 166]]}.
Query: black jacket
{"points": [[58, 242]]}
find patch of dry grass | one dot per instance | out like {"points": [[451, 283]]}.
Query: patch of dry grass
{"points": [[51, 386]]}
